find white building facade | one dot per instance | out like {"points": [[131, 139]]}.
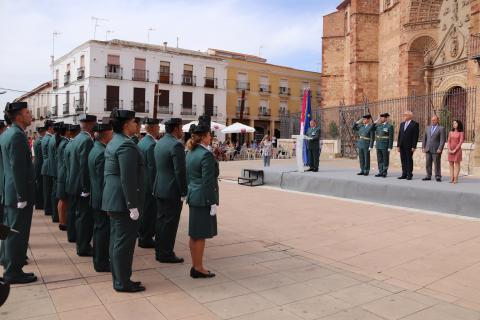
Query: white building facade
{"points": [[39, 102], [155, 81]]}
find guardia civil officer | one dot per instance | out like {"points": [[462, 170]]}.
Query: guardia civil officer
{"points": [[169, 188], [61, 194], [47, 178], [71, 194], [365, 142], [383, 144], [203, 196], [122, 196], [52, 158], [96, 169], [148, 212], [19, 193], [79, 184], [37, 164]]}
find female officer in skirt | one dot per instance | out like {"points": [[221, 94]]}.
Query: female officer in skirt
{"points": [[202, 197], [122, 195]]}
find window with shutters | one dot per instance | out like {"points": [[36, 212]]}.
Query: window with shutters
{"points": [[112, 98], [139, 100]]}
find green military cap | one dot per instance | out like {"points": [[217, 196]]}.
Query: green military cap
{"points": [[173, 121], [204, 123], [84, 117], [367, 116], [12, 106], [150, 121], [100, 127], [385, 115]]}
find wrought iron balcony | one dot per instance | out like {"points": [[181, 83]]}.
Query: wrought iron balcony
{"points": [[264, 89], [243, 85], [113, 71], [211, 111], [188, 110], [284, 91], [140, 106], [165, 77], [168, 109], [80, 73], [211, 82], [109, 104], [66, 78], [79, 105], [140, 75], [55, 83], [264, 112], [189, 80], [66, 108]]}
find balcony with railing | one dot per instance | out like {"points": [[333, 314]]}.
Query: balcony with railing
{"points": [[140, 106], [189, 80], [79, 105], [165, 109], [474, 47], [264, 89], [188, 110], [264, 112], [54, 111], [284, 91], [211, 83], [66, 108], [109, 104], [165, 77], [113, 71], [140, 75], [66, 78], [246, 111], [55, 83], [80, 73], [243, 85], [211, 111]]}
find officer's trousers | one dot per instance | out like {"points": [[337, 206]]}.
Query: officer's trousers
{"points": [[313, 156], [72, 218], [54, 200], [364, 157], [47, 194], [101, 240], [383, 161], [148, 217], [39, 199], [168, 218], [84, 225], [123, 233], [16, 244]]}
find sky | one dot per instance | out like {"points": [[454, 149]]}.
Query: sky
{"points": [[285, 32]]}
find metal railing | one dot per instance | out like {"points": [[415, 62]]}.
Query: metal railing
{"points": [[165, 77], [168, 109], [79, 105], [284, 91], [80, 73], [140, 106], [243, 85], [113, 71], [109, 104], [66, 108], [188, 80], [140, 75], [210, 83], [188, 110], [211, 111], [66, 78], [264, 89]]}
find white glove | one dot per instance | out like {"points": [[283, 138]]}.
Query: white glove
{"points": [[21, 205], [184, 199], [389, 150], [213, 210], [369, 149], [134, 214], [84, 194]]}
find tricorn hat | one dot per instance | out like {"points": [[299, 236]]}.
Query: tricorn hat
{"points": [[147, 120], [204, 123], [173, 121], [100, 127], [123, 114], [73, 127], [12, 106], [59, 125], [85, 117], [384, 115], [367, 116], [49, 123]]}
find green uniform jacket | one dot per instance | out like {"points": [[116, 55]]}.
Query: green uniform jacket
{"points": [[203, 175], [171, 177], [384, 136], [123, 186], [78, 179], [96, 166], [2, 174], [38, 160], [366, 135], [313, 133], [61, 167], [147, 148], [52, 157], [19, 176], [46, 162], [68, 154]]}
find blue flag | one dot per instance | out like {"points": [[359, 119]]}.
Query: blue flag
{"points": [[308, 117]]}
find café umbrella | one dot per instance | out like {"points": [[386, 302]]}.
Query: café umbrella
{"points": [[214, 126], [238, 127]]}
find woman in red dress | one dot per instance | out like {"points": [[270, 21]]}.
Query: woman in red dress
{"points": [[455, 141]]}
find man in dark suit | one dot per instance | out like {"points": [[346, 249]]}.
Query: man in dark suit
{"points": [[407, 143], [169, 188], [433, 144]]}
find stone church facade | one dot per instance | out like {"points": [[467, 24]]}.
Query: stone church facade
{"points": [[387, 49]]}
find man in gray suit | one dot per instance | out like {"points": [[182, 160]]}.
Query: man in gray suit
{"points": [[433, 144]]}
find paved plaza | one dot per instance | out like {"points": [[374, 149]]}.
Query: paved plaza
{"points": [[279, 255]]}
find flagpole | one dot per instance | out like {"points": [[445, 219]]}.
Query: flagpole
{"points": [[301, 137]]}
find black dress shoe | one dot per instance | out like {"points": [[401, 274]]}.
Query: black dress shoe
{"points": [[21, 279], [200, 275], [88, 253], [438, 179], [55, 220], [135, 283], [379, 175], [384, 175], [366, 174], [146, 244], [409, 177], [138, 288], [402, 177], [72, 240], [426, 179], [360, 174], [62, 227], [173, 259], [105, 269]]}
